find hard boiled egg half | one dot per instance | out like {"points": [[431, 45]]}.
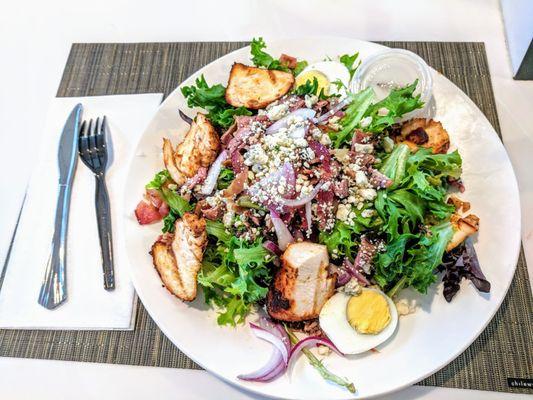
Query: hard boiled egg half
{"points": [[326, 74], [356, 324]]}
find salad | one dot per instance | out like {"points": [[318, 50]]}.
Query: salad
{"points": [[315, 205]]}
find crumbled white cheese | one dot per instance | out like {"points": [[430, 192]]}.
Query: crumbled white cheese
{"points": [[310, 100], [405, 307], [363, 148], [324, 350], [366, 121], [343, 211], [352, 288], [333, 123], [367, 213], [360, 178], [275, 112], [368, 194], [383, 111]]}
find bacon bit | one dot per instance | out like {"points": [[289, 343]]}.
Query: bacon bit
{"points": [[339, 114], [379, 180], [341, 188], [365, 255], [418, 136], [243, 121], [237, 162], [228, 135], [325, 209], [213, 213], [237, 185], [457, 183], [320, 104], [322, 153], [360, 137], [300, 103], [288, 61], [147, 213], [197, 179], [362, 159]]}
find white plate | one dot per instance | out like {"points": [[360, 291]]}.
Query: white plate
{"points": [[425, 341]]}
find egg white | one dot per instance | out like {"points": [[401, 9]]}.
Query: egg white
{"points": [[335, 325], [333, 70]]}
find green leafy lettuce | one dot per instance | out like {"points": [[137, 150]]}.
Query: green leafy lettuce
{"points": [[159, 180], [224, 179], [178, 206], [212, 99], [414, 200], [349, 62], [260, 58], [398, 103], [235, 273]]}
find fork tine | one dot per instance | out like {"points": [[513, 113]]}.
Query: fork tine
{"points": [[82, 144]]}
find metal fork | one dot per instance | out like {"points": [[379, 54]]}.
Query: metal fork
{"points": [[93, 152]]}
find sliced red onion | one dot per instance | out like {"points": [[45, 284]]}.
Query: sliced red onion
{"points": [[272, 247], [214, 171], [308, 215], [312, 341], [272, 369], [324, 117], [185, 117], [355, 272], [276, 329], [279, 359], [303, 200], [289, 174], [305, 113], [343, 277], [282, 232]]}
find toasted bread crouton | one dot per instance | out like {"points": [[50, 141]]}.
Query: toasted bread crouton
{"points": [[178, 262], [463, 227], [198, 149], [302, 285], [460, 205], [420, 132], [255, 88]]}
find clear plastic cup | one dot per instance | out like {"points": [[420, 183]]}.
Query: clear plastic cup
{"points": [[392, 69]]}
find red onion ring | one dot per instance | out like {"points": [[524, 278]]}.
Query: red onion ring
{"points": [[312, 341], [282, 232], [308, 215], [272, 247], [214, 171], [305, 113]]}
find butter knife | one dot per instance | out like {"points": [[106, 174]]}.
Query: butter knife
{"points": [[54, 285]]}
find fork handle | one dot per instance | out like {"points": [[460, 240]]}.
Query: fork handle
{"points": [[103, 219]]}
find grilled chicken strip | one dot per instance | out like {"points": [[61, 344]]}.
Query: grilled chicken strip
{"points": [[430, 134], [255, 88], [198, 149], [302, 285], [463, 227], [179, 261]]}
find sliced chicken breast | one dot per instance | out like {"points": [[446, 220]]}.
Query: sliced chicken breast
{"points": [[198, 149], [178, 261], [302, 285]]}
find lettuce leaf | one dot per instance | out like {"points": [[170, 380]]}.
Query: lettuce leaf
{"points": [[349, 62], [212, 99], [235, 274], [159, 180], [416, 199], [225, 178], [260, 58]]}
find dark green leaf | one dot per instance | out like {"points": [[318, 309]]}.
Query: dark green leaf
{"points": [[349, 62]]}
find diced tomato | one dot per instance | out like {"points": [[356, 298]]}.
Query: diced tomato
{"points": [[147, 213]]}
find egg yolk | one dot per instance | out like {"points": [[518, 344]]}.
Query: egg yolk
{"points": [[322, 80], [368, 313]]}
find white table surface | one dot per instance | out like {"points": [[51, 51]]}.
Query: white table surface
{"points": [[35, 38]]}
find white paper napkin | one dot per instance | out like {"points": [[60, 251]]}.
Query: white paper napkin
{"points": [[89, 305]]}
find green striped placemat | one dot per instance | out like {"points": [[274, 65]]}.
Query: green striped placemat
{"points": [[502, 351]]}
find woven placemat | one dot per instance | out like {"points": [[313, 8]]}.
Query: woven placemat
{"points": [[502, 351]]}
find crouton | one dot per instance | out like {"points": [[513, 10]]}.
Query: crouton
{"points": [[255, 88], [420, 132]]}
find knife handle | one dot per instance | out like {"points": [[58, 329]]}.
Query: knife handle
{"points": [[103, 219], [54, 286]]}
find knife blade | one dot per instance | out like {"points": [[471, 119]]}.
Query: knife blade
{"points": [[54, 286]]}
